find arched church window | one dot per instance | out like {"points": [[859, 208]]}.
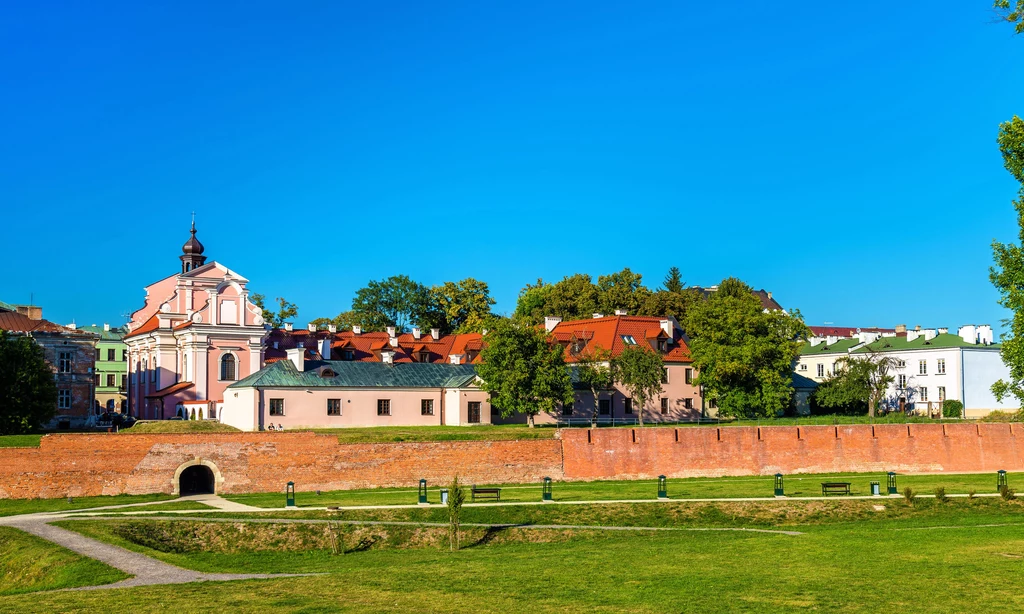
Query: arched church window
{"points": [[227, 367]]}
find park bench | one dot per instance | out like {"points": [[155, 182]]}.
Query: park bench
{"points": [[485, 493], [835, 488]]}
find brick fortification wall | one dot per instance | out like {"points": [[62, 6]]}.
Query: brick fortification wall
{"points": [[83, 465]]}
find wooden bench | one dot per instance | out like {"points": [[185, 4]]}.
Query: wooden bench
{"points": [[835, 488], [485, 493]]}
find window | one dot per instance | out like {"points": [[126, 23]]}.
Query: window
{"points": [[664, 405], [803, 367], [474, 412], [64, 362], [924, 393], [688, 403], [124, 381], [689, 376], [64, 398], [940, 366], [664, 375], [628, 340], [97, 354], [96, 379], [227, 367], [901, 381], [333, 407], [349, 355], [922, 367], [124, 355], [424, 357], [111, 353], [662, 345], [276, 407], [577, 345], [713, 403], [628, 405], [942, 393], [111, 380], [567, 409], [900, 364], [110, 404], [427, 407], [821, 370], [383, 407], [604, 407]]}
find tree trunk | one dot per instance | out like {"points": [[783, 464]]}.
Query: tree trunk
{"points": [[640, 412]]}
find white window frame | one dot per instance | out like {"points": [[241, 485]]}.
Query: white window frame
{"points": [[940, 366], [922, 367]]}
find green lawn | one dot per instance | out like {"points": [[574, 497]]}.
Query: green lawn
{"points": [[10, 507], [178, 426], [929, 557], [483, 432], [32, 564], [20, 441], [691, 488], [158, 507]]}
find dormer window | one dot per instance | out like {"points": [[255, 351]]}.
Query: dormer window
{"points": [[328, 373], [349, 355], [628, 339], [578, 345], [424, 357], [662, 345]]}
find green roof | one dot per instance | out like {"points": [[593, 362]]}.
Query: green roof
{"points": [[945, 340], [114, 334], [843, 345], [283, 374], [7, 307]]}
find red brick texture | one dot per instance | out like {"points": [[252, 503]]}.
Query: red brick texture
{"points": [[83, 465], [694, 452]]}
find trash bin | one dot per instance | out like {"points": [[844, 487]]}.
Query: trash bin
{"points": [[876, 489], [444, 496]]}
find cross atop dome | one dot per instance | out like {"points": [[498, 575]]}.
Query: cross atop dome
{"points": [[192, 252]]}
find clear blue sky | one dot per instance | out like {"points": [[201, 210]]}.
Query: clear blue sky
{"points": [[840, 155]]}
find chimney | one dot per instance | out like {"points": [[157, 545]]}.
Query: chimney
{"points": [[325, 348], [985, 336], [929, 334], [435, 333], [968, 333], [769, 296], [387, 357], [912, 335], [311, 328], [816, 341], [106, 327], [666, 325], [72, 326], [416, 333], [456, 359], [288, 326], [621, 312], [357, 330], [391, 331], [298, 358], [597, 315], [331, 328], [943, 331], [392, 339], [901, 328], [830, 339], [918, 328], [550, 322], [32, 312]]}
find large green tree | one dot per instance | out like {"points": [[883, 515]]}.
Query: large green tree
{"points": [[285, 310], [743, 355], [396, 301], [594, 374], [622, 290], [28, 395], [522, 371], [462, 307], [858, 384], [1008, 273], [674, 280], [533, 301], [639, 369]]}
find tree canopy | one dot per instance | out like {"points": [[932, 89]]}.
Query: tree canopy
{"points": [[523, 373], [858, 384], [463, 307], [285, 310], [1013, 12], [28, 395], [743, 355], [1008, 273], [639, 369]]}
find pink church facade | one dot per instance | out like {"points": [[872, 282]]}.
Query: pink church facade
{"points": [[196, 334]]}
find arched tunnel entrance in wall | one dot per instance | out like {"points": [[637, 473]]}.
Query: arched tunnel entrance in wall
{"points": [[196, 480]]}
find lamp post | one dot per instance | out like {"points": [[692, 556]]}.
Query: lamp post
{"points": [[422, 492], [1001, 480], [289, 494], [546, 490], [892, 482], [779, 490], [662, 487]]}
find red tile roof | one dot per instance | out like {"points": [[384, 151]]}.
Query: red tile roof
{"points": [[170, 390], [610, 333], [149, 325], [17, 323], [845, 331]]}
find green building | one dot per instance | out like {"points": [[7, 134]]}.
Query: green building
{"points": [[111, 374]]}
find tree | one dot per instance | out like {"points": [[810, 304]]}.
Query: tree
{"points": [[464, 307], [674, 280], [285, 310], [343, 321], [665, 303], [1008, 273], [594, 374], [532, 303], [456, 497], [639, 369], [28, 395], [858, 384], [396, 301], [743, 356], [522, 371], [1013, 12], [573, 298], [623, 290]]}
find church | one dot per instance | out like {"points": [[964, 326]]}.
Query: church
{"points": [[196, 334]]}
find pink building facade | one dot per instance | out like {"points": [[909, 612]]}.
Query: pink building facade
{"points": [[196, 334]]}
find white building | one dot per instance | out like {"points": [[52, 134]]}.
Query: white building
{"points": [[932, 366]]}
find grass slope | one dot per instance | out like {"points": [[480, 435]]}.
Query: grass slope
{"points": [[178, 426], [11, 507], [31, 564]]}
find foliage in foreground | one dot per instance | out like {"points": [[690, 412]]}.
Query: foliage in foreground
{"points": [[28, 395]]}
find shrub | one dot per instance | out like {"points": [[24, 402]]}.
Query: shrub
{"points": [[1007, 493], [456, 497], [909, 495], [971, 494], [952, 408], [940, 494], [1004, 416]]}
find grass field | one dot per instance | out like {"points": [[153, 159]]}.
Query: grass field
{"points": [[929, 556], [20, 441], [10, 507], [690, 488], [178, 426], [32, 564]]}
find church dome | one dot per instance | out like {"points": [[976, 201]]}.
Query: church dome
{"points": [[192, 246]]}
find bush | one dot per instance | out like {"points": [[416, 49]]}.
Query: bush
{"points": [[971, 494], [1007, 493], [909, 495], [940, 495], [952, 408], [1004, 416]]}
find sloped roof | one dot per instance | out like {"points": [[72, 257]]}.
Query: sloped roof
{"points": [[609, 332], [349, 374], [846, 331], [842, 346], [114, 334], [17, 323], [945, 340], [170, 390]]}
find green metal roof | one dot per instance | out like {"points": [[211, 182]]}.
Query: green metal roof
{"points": [[283, 374], [7, 307], [114, 334], [946, 340], [843, 346]]}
